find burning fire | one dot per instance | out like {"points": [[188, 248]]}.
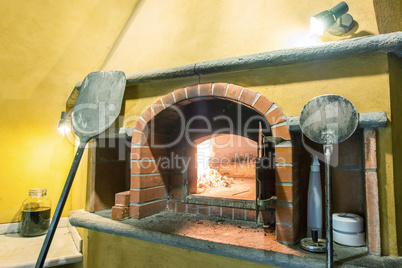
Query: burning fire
{"points": [[211, 178], [208, 177]]}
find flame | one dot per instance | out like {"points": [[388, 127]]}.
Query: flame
{"points": [[208, 177], [213, 179], [204, 151]]}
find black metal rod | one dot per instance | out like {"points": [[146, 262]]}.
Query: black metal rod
{"points": [[328, 205], [59, 209]]}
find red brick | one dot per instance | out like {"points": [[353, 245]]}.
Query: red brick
{"points": [[146, 167], [238, 214], [262, 104], [287, 193], [233, 92], [156, 140], [227, 212], [284, 173], [191, 208], [203, 210], [281, 131], [275, 116], [296, 191], [266, 216], [176, 179], [140, 125], [138, 138], [179, 149], [220, 89], [178, 168], [157, 107], [147, 153], [120, 212], [250, 215], [175, 193], [168, 100], [284, 154], [172, 206], [284, 214], [248, 96], [146, 181], [192, 91], [206, 89], [284, 193], [347, 153], [285, 233], [147, 114], [370, 149], [144, 210], [181, 207], [215, 211], [373, 214], [179, 94], [122, 198], [149, 194]]}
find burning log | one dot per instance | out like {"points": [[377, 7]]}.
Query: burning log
{"points": [[211, 178]]}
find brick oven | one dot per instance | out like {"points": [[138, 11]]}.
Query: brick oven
{"points": [[164, 157], [242, 101], [251, 144]]}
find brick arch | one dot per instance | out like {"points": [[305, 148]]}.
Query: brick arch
{"points": [[147, 194], [274, 115]]}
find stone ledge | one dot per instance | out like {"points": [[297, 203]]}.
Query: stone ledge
{"points": [[366, 45], [371, 120], [162, 228]]}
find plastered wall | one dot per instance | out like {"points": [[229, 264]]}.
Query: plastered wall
{"points": [[46, 48]]}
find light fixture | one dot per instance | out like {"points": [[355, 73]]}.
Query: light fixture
{"points": [[64, 125], [336, 20]]}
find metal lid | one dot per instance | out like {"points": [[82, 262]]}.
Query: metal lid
{"points": [[309, 245], [329, 119], [37, 191]]}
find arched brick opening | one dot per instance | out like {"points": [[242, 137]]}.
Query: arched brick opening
{"points": [[153, 182]]}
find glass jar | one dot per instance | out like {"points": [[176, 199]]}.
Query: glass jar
{"points": [[36, 213]]}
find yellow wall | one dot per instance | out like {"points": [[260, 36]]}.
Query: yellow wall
{"points": [[46, 48], [389, 18], [395, 67], [129, 252]]}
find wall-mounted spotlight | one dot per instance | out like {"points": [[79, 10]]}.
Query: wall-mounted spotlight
{"points": [[64, 124], [336, 20]]}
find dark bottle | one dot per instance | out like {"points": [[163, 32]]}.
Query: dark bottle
{"points": [[36, 213]]}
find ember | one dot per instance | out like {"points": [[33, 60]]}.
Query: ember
{"points": [[211, 178]]}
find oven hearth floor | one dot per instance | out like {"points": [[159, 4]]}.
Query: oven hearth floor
{"points": [[242, 188], [230, 238]]}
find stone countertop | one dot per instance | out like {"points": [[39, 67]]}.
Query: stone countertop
{"points": [[21, 252]]}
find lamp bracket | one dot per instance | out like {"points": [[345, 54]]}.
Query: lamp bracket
{"points": [[343, 25]]}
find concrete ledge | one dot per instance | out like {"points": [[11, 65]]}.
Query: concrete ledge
{"points": [[381, 43], [143, 230], [366, 120], [371, 120]]}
